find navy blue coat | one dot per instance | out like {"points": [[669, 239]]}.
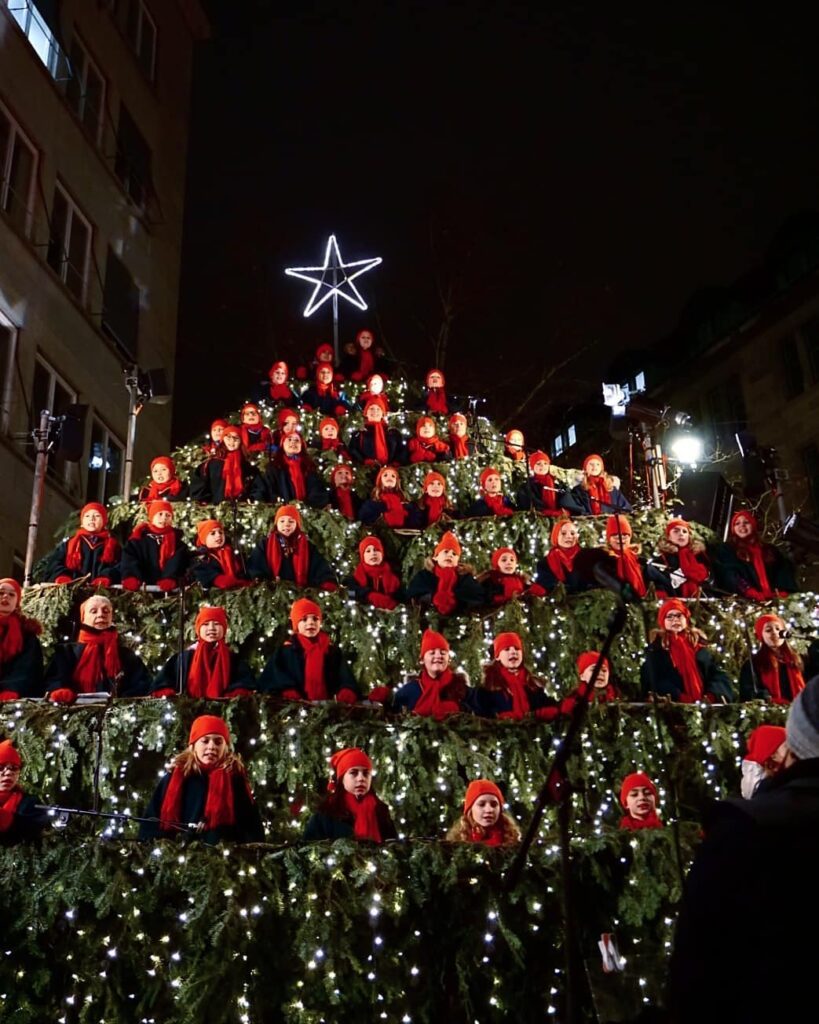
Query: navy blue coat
{"points": [[658, 675], [140, 559], [91, 563], [285, 671], [23, 675], [362, 447], [241, 677], [248, 825], [578, 502], [275, 484], [28, 823], [318, 568], [469, 593], [135, 680]]}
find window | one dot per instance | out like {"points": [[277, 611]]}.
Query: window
{"points": [[69, 248], [640, 382], [85, 91], [140, 30], [105, 462], [18, 161], [557, 445], [792, 367], [53, 393], [38, 33], [810, 460], [120, 306], [133, 160], [571, 436], [8, 343]]}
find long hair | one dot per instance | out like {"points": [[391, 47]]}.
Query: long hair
{"points": [[334, 804], [279, 460], [464, 828], [780, 655], [187, 762]]}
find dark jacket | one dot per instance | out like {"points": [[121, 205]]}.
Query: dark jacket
{"points": [[248, 825], [322, 825], [480, 507], [752, 688], [733, 574], [362, 447], [205, 567], [241, 677], [491, 699], [468, 592], [91, 563], [318, 568], [658, 675], [285, 671], [406, 696], [580, 578], [140, 559], [577, 502], [135, 680], [327, 405], [530, 495], [28, 823], [23, 675], [275, 484], [208, 485]]}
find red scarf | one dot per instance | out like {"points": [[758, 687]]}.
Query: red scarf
{"points": [[429, 703], [296, 546], [598, 493], [209, 674], [167, 549], [365, 819], [219, 810], [99, 659], [753, 552], [489, 837], [296, 471], [234, 483], [633, 824], [379, 578], [561, 561], [11, 637], [224, 556], [684, 659], [548, 491], [459, 445], [693, 570], [9, 804], [515, 683], [767, 666], [436, 401], [379, 442], [344, 497], [259, 441], [444, 598], [156, 491], [315, 650], [511, 584], [366, 363], [395, 514], [280, 392], [73, 552], [630, 571], [495, 503], [435, 507], [330, 444]]}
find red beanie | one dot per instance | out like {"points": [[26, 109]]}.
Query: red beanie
{"points": [[559, 523], [432, 641], [372, 379], [618, 524], [210, 614], [164, 460], [231, 430], [328, 421], [8, 755], [504, 640], [431, 478], [325, 350], [480, 787], [763, 621], [587, 659], [287, 510], [248, 406], [369, 542], [350, 757], [674, 605], [496, 555], [158, 505], [204, 528], [13, 583], [744, 514], [456, 417], [669, 526], [588, 459], [279, 365], [337, 467], [94, 506], [632, 782], [764, 742], [433, 370], [301, 609], [539, 456], [375, 400], [489, 471], [207, 725], [285, 414], [515, 444], [449, 542], [422, 422], [218, 423]]}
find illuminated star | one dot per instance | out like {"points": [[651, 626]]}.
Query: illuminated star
{"points": [[340, 281]]}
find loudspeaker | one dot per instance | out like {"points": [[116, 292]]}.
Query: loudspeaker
{"points": [[707, 498], [154, 383], [71, 441]]}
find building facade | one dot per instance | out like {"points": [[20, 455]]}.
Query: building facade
{"points": [[94, 112]]}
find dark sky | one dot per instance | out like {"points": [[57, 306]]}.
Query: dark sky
{"points": [[573, 175]]}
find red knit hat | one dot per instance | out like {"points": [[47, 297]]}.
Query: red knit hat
{"points": [[372, 379], [507, 437], [616, 525], [432, 477], [449, 542], [673, 605], [323, 351], [496, 555], [559, 523], [210, 614], [285, 414], [231, 430], [632, 782], [287, 510], [94, 506], [480, 787], [204, 528], [218, 423], [8, 755], [588, 459], [328, 421], [744, 514], [248, 406], [369, 542], [301, 609], [587, 659], [13, 583], [489, 471], [432, 641], [539, 456], [764, 742], [433, 370], [158, 505], [375, 400], [166, 461], [350, 757], [504, 640], [208, 725], [456, 417], [669, 526], [763, 621], [279, 364], [337, 467], [424, 421], [364, 330]]}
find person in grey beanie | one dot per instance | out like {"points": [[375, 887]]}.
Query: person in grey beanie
{"points": [[751, 893]]}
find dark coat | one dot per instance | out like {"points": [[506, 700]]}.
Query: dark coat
{"points": [[530, 495], [275, 484], [205, 567], [318, 568], [140, 559], [658, 675], [659, 569], [362, 447], [372, 509], [322, 825], [135, 680], [751, 687], [469, 593], [327, 405], [581, 577], [577, 502], [28, 823], [241, 676], [91, 563], [23, 675], [208, 485], [733, 574], [407, 695], [247, 828], [285, 671], [356, 503], [489, 701], [480, 507]]}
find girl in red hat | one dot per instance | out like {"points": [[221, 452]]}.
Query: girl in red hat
{"points": [[436, 691], [514, 446], [628, 566], [374, 392], [484, 819], [368, 358], [567, 563], [164, 481], [279, 389], [426, 446], [597, 493], [291, 476], [155, 553], [376, 444], [288, 421], [228, 477], [542, 490], [435, 398], [492, 501], [351, 809], [678, 664], [638, 797], [98, 662], [92, 552], [387, 503], [328, 440], [213, 447], [681, 565], [342, 495], [374, 580], [774, 672], [309, 666], [20, 819], [21, 656], [433, 505], [764, 758], [459, 442], [206, 787], [286, 554], [256, 437], [324, 356], [208, 669], [509, 689], [504, 581], [322, 395], [215, 564], [747, 566], [603, 692], [449, 587]]}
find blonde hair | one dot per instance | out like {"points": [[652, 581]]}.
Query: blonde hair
{"points": [[189, 765], [464, 828]]}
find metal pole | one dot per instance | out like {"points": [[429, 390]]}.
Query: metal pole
{"points": [[37, 493], [132, 384]]}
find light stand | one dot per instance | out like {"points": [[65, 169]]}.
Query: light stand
{"points": [[149, 386], [44, 445]]}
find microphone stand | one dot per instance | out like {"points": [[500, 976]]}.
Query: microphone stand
{"points": [[52, 809], [557, 791], [184, 584]]}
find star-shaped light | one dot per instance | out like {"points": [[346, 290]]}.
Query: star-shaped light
{"points": [[337, 270]]}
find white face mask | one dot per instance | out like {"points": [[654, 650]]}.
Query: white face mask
{"points": [[752, 774]]}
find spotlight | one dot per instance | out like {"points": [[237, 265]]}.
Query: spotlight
{"points": [[687, 448]]}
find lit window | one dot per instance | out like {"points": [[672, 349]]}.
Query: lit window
{"points": [[140, 28], [640, 381], [69, 248], [18, 162], [571, 436], [557, 444], [105, 464], [8, 344], [85, 90], [35, 29]]}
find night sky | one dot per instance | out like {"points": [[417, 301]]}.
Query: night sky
{"points": [[572, 177]]}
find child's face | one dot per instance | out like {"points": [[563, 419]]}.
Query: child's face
{"points": [[286, 525], [290, 424], [251, 417], [210, 749], [486, 810], [458, 427], [515, 440], [8, 599], [160, 473], [743, 527], [98, 613], [372, 555], [365, 340], [325, 356], [292, 444], [492, 484], [92, 521], [435, 662], [426, 429], [508, 562], [435, 489], [279, 376], [675, 622], [342, 477], [541, 467], [231, 441], [9, 776], [216, 432], [435, 380], [567, 536], [211, 632], [376, 384], [447, 559], [594, 467], [310, 625], [679, 535], [640, 802], [325, 374], [389, 478], [357, 781], [511, 658], [215, 538], [375, 414], [773, 633], [602, 676], [329, 431], [162, 519], [619, 542]]}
